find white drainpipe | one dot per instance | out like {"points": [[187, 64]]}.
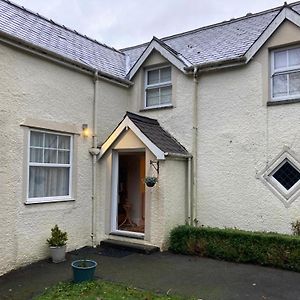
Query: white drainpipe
{"points": [[194, 151], [189, 192], [94, 153]]}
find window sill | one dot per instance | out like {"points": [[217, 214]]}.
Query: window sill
{"points": [[44, 201], [281, 102], [157, 108]]}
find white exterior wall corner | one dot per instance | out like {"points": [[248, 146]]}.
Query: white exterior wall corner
{"points": [[238, 135], [175, 197]]}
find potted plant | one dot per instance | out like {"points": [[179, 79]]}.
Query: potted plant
{"points": [[57, 243], [83, 270], [150, 181]]}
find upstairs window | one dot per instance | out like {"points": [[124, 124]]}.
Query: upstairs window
{"points": [[49, 167], [285, 77], [158, 87]]}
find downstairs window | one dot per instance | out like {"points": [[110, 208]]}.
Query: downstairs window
{"points": [[49, 167]]}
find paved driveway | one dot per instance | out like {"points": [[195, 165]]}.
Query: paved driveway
{"points": [[203, 278]]}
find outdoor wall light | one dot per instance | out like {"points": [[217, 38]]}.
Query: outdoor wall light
{"points": [[85, 130]]}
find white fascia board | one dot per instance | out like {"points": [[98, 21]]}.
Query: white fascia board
{"points": [[127, 123], [285, 14], [181, 63]]}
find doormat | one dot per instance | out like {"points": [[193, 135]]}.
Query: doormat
{"points": [[114, 252]]}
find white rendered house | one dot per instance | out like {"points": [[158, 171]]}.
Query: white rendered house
{"points": [[213, 113]]}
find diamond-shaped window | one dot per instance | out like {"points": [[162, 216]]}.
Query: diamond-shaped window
{"points": [[287, 175], [282, 176]]}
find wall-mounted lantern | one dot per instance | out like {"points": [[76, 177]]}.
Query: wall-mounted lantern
{"points": [[85, 130]]}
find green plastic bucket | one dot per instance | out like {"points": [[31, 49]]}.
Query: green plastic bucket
{"points": [[83, 270]]}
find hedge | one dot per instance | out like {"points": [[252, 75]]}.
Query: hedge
{"points": [[269, 249]]}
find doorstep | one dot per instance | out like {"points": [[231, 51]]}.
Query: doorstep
{"points": [[134, 247]]}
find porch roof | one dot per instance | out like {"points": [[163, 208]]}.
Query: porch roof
{"points": [[149, 131]]}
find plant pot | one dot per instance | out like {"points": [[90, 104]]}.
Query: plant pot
{"points": [[58, 254], [83, 270]]}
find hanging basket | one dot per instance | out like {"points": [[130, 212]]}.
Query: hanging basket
{"points": [[150, 181]]}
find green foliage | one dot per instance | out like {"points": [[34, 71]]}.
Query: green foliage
{"points": [[96, 290], [270, 249], [296, 227], [58, 238]]}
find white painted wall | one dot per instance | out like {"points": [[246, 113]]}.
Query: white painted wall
{"points": [[34, 88], [238, 135]]}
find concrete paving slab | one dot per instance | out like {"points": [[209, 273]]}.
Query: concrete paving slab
{"points": [[202, 278]]}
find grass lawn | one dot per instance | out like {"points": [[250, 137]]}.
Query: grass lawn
{"points": [[99, 290]]}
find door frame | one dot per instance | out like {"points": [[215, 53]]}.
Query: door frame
{"points": [[114, 196]]}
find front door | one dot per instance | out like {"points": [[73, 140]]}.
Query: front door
{"points": [[128, 193]]}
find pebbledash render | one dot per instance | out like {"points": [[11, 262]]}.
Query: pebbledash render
{"points": [[212, 114]]}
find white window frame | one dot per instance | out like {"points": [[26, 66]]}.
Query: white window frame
{"points": [[156, 86], [266, 176], [285, 70], [29, 164]]}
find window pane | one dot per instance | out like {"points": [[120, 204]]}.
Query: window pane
{"points": [[63, 157], [294, 83], [280, 85], [280, 59], [153, 77], [287, 175], [152, 97], [64, 142], [47, 182], [165, 74], [36, 155], [165, 95], [294, 57], [50, 140], [50, 156], [36, 139]]}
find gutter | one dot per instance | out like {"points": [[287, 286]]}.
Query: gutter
{"points": [[60, 59], [225, 63], [177, 155]]}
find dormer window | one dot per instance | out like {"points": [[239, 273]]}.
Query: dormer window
{"points": [[285, 74], [158, 87]]}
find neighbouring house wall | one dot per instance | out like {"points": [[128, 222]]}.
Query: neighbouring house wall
{"points": [[34, 90], [176, 120], [238, 135]]}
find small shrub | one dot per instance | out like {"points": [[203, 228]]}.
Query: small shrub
{"points": [[296, 227], [270, 249], [58, 238]]}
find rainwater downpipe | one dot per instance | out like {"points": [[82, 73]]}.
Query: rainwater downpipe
{"points": [[194, 219], [189, 191], [94, 160]]}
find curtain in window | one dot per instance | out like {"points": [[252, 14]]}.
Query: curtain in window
{"points": [[49, 165], [48, 181]]}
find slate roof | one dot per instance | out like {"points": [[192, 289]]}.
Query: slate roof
{"points": [[157, 135], [223, 41], [36, 29], [218, 42]]}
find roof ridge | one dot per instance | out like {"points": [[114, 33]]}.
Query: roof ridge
{"points": [[61, 25], [233, 20], [128, 113]]}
